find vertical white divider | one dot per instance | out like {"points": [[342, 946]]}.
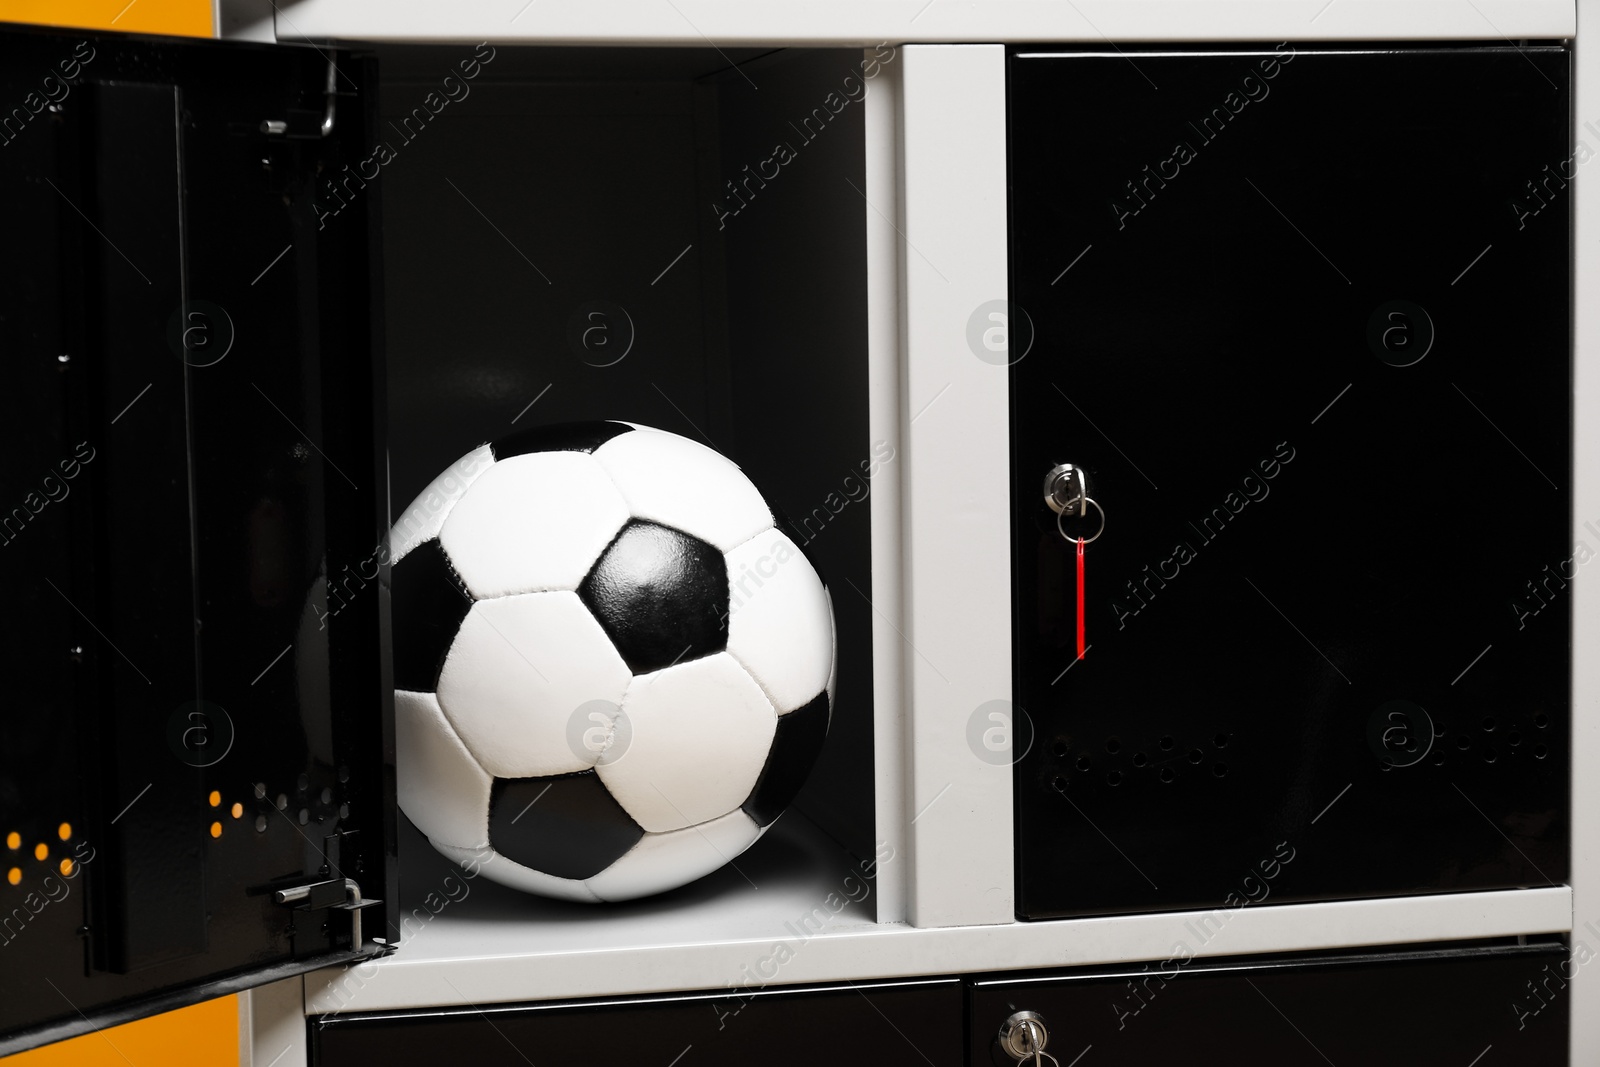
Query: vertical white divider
{"points": [[885, 419], [956, 641], [272, 1025], [1586, 509]]}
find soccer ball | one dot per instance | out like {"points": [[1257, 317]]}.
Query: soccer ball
{"points": [[613, 671]]}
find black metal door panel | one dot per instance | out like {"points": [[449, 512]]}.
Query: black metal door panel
{"points": [[1452, 1006], [1302, 313], [192, 395], [911, 1022]]}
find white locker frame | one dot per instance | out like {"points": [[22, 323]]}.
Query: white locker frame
{"points": [[935, 125]]}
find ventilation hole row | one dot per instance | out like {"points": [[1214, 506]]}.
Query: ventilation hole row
{"points": [[1512, 740], [1167, 743], [1167, 775], [1113, 745], [1541, 720], [1489, 755]]}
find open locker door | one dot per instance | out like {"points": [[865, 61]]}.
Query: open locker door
{"points": [[196, 756]]}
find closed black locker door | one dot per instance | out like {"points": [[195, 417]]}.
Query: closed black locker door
{"points": [[1303, 316], [916, 1021], [192, 393], [1444, 1004]]}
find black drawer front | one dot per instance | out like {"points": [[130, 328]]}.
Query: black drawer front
{"points": [[1482, 1008], [1322, 303], [912, 1022]]}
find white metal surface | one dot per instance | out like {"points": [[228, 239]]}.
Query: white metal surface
{"points": [[243, 20], [885, 417], [867, 22], [272, 1025], [469, 965], [1585, 991], [955, 471], [492, 947]]}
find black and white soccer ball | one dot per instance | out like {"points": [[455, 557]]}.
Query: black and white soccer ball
{"points": [[613, 670]]}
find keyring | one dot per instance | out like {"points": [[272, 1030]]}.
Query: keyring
{"points": [[1085, 540], [1030, 1044]]}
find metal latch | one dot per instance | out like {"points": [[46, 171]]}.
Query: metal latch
{"points": [[338, 894], [280, 127]]}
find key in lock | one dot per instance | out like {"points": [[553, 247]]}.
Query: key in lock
{"points": [[1023, 1037], [1066, 490]]}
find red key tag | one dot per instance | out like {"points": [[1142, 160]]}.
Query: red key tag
{"points": [[1081, 645], [1066, 491]]}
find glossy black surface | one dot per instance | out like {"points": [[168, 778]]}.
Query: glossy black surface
{"points": [[193, 405], [1398, 1008], [1395, 1007], [661, 595], [559, 437], [567, 825], [795, 747], [428, 603], [797, 297], [1304, 525], [751, 342], [917, 1022]]}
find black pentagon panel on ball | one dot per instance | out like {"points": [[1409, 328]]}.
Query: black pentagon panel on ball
{"points": [[567, 825], [661, 595], [794, 751], [561, 437], [427, 603]]}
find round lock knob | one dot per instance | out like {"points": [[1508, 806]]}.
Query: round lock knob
{"points": [[1066, 487], [1023, 1035]]}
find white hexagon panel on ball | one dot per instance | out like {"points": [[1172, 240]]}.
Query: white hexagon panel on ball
{"points": [[613, 672]]}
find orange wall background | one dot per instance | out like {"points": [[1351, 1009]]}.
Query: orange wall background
{"points": [[191, 18], [206, 1035]]}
